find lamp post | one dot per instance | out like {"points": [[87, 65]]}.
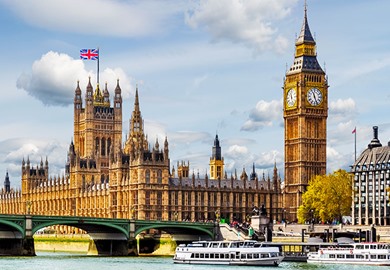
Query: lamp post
{"points": [[217, 215], [28, 206], [132, 212], [311, 220]]}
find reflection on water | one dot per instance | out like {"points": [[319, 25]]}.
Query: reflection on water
{"points": [[71, 261]]}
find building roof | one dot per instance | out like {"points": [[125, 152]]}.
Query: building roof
{"points": [[375, 157]]}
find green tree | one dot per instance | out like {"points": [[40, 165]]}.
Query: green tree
{"points": [[328, 197]]}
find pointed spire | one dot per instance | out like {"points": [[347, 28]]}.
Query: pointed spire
{"points": [[118, 89], [136, 101], [89, 86], [7, 183], [305, 35], [78, 90], [216, 151]]}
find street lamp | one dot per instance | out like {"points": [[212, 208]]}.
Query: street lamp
{"points": [[311, 216], [284, 216], [28, 206], [217, 215], [132, 212]]}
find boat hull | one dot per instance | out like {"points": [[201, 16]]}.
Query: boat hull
{"points": [[275, 261], [354, 262]]}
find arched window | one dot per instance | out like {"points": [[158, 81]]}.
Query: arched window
{"points": [[108, 146], [159, 177], [97, 143], [103, 149], [147, 176]]}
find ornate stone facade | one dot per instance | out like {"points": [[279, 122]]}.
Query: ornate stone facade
{"points": [[305, 109], [105, 178]]}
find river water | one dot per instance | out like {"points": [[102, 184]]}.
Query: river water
{"points": [[66, 261]]}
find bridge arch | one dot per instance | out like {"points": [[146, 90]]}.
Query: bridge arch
{"points": [[173, 227], [17, 224], [89, 225]]}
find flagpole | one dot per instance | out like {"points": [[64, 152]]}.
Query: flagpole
{"points": [[98, 66], [355, 143]]}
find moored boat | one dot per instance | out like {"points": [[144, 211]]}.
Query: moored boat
{"points": [[356, 253], [247, 252]]}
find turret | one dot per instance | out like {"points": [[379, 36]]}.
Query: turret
{"points": [[106, 96], [89, 93], [216, 160], [7, 183], [78, 102], [253, 176]]}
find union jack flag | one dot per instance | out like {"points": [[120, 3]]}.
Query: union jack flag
{"points": [[89, 54]]}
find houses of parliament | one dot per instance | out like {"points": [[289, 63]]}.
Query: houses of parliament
{"points": [[114, 177]]}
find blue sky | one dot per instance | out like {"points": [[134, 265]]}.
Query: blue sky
{"points": [[202, 67]]}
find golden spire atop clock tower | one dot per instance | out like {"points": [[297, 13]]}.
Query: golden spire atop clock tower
{"points": [[305, 111]]}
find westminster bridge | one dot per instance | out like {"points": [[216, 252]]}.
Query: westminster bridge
{"points": [[114, 237]]}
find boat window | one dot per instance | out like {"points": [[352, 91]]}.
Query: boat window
{"points": [[217, 256], [373, 256], [201, 255], [359, 247], [243, 256], [233, 245], [382, 257], [206, 255], [249, 256], [373, 246], [212, 256], [256, 255], [340, 256], [264, 255], [358, 256], [332, 256], [225, 245], [196, 255], [367, 247], [349, 256], [214, 245]]}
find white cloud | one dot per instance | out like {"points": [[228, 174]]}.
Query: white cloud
{"points": [[336, 160], [248, 22], [98, 17], [54, 77], [13, 151], [342, 109], [263, 115]]}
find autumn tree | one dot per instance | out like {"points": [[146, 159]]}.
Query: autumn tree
{"points": [[328, 197]]}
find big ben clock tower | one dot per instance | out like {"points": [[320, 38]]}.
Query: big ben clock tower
{"points": [[305, 110]]}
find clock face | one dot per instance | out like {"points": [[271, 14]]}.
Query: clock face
{"points": [[291, 97], [314, 96]]}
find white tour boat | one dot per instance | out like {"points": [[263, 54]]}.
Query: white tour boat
{"points": [[356, 253], [247, 252]]}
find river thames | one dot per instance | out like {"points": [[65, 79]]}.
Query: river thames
{"points": [[66, 261]]}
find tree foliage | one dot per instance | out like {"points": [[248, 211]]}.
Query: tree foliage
{"points": [[327, 198]]}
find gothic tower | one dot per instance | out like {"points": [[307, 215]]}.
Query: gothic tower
{"points": [[98, 126], [148, 168], [305, 110], [216, 161]]}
